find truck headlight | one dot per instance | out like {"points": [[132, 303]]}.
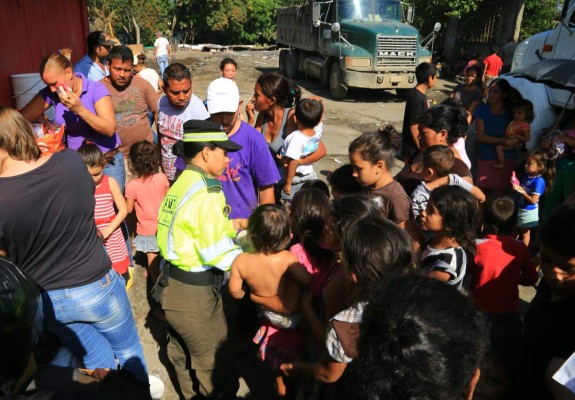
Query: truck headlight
{"points": [[351, 62]]}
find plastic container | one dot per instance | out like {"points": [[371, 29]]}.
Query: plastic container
{"points": [[26, 86]]}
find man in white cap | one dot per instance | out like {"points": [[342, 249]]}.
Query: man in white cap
{"points": [[162, 51], [251, 173]]}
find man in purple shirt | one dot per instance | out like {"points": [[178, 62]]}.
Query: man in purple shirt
{"points": [[251, 172]]}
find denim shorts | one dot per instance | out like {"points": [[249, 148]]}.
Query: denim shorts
{"points": [[146, 243]]}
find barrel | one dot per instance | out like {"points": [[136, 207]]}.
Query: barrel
{"points": [[26, 86]]}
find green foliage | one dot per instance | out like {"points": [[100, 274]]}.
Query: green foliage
{"points": [[428, 12], [539, 15], [261, 26], [221, 21], [117, 17]]}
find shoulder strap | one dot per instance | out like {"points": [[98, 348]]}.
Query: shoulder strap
{"points": [[284, 122]]}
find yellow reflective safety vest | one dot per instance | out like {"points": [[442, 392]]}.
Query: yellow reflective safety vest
{"points": [[194, 232]]}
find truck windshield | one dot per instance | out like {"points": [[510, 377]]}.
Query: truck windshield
{"points": [[369, 10]]}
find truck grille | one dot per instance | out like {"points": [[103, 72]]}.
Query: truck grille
{"points": [[396, 51]]}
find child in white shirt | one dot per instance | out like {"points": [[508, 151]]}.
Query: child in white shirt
{"points": [[301, 143]]}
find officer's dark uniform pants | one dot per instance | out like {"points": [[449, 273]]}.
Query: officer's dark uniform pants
{"points": [[200, 348]]}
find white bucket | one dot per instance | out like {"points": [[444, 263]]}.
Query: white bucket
{"points": [[26, 86]]}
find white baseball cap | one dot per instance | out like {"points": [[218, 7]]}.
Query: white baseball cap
{"points": [[223, 96]]}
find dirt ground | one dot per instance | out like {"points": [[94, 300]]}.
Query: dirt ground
{"points": [[363, 110]]}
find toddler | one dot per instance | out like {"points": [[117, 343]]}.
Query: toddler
{"points": [[539, 168], [145, 193], [452, 215], [372, 157], [501, 262], [437, 162], [517, 132], [342, 182], [275, 278], [108, 195], [299, 144]]}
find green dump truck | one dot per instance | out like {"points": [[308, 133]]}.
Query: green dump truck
{"points": [[351, 44]]}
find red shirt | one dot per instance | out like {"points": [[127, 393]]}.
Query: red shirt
{"points": [[500, 265], [493, 65]]}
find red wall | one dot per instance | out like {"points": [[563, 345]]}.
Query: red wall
{"points": [[32, 29]]}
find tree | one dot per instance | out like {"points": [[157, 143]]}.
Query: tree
{"points": [[539, 15], [136, 19]]}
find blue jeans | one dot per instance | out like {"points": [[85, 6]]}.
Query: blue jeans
{"points": [[163, 63], [117, 170], [96, 324]]}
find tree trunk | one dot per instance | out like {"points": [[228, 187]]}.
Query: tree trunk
{"points": [[510, 21], [450, 50], [175, 47], [136, 28]]}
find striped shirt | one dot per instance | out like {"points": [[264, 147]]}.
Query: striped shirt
{"points": [[451, 260], [104, 213]]}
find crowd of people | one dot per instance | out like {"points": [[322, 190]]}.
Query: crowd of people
{"points": [[374, 285]]}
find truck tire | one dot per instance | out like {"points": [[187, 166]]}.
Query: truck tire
{"points": [[283, 62], [292, 63], [337, 89]]}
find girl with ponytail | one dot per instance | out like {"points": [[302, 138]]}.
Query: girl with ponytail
{"points": [[372, 157]]}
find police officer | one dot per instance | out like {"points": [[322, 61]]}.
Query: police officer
{"points": [[195, 237]]}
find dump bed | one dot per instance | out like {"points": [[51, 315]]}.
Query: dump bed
{"points": [[295, 29]]}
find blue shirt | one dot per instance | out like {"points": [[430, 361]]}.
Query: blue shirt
{"points": [[532, 185], [494, 125], [90, 69]]}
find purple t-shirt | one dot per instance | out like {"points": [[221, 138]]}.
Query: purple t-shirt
{"points": [[76, 128], [249, 169]]}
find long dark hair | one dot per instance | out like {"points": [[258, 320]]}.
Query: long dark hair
{"points": [[510, 94], [452, 119], [309, 218], [277, 86], [375, 249], [547, 163], [460, 212]]}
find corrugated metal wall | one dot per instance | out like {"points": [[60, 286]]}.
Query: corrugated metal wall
{"points": [[32, 29]]}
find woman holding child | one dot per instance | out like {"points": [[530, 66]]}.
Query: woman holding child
{"points": [[440, 125], [274, 99], [491, 120]]}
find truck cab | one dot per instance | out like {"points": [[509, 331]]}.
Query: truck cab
{"points": [[351, 43]]}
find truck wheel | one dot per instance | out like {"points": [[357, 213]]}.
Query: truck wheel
{"points": [[337, 89], [283, 62], [292, 63]]}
